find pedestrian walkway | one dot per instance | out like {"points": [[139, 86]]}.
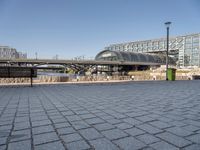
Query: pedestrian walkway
{"points": [[152, 115]]}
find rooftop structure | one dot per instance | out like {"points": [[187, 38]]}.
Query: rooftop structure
{"points": [[185, 48]]}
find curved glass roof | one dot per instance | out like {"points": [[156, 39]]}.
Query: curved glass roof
{"points": [[109, 55]]}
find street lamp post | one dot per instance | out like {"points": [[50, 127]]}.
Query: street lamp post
{"points": [[167, 24]]}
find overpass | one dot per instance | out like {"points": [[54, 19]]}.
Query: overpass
{"points": [[39, 62], [80, 65]]}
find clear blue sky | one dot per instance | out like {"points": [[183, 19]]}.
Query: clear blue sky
{"points": [[71, 28]]}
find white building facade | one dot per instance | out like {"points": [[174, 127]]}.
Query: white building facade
{"points": [[7, 52]]}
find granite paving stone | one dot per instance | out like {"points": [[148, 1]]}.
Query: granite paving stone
{"points": [[173, 139], [78, 145], [73, 118], [114, 134], [162, 145], [22, 145], [160, 124], [134, 131], [150, 129], [190, 128], [87, 116], [2, 147], [20, 135], [103, 144], [192, 147], [63, 131], [123, 126], [3, 140], [93, 121], [4, 133], [41, 123], [38, 118], [132, 121], [179, 131], [144, 118], [21, 125], [194, 138], [147, 138], [50, 146], [80, 125], [129, 143], [59, 120], [61, 125], [113, 121], [71, 137], [90, 133], [44, 138], [104, 126], [42, 129]]}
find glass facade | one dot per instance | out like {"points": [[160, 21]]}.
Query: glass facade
{"points": [[185, 48], [109, 55]]}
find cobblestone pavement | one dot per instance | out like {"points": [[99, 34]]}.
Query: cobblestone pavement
{"points": [[148, 115]]}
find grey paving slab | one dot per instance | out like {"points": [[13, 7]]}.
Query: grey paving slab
{"points": [[114, 134], [42, 129], [132, 121], [104, 126], [173, 139], [94, 121], [123, 126], [148, 138], [73, 118], [62, 125], [78, 145], [50, 146], [113, 121], [3, 140], [150, 129], [4, 133], [67, 130], [20, 145], [145, 118], [41, 123], [20, 135], [22, 125], [87, 116], [2, 147], [80, 125], [162, 145], [129, 143], [103, 144], [44, 138], [90, 133], [71, 137], [58, 120], [134, 131], [160, 124], [192, 147], [194, 138], [190, 128], [179, 131]]}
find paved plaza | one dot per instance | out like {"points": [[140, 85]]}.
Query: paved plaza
{"points": [[147, 115]]}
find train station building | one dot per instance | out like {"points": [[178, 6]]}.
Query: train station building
{"points": [[185, 49]]}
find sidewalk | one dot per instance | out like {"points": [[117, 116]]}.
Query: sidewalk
{"points": [[133, 115]]}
